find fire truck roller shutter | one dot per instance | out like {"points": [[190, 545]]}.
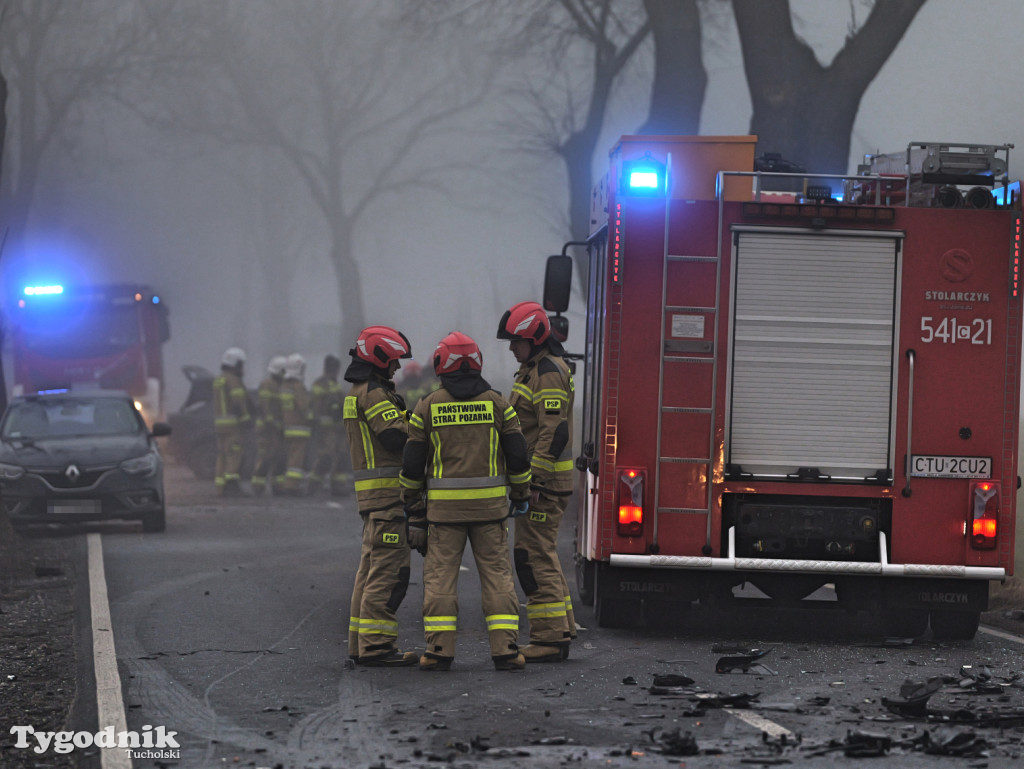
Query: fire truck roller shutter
{"points": [[811, 374]]}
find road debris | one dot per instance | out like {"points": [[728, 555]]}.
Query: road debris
{"points": [[744, 662]]}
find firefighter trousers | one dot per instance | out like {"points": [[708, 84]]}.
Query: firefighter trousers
{"points": [[382, 580], [269, 447], [548, 603], [229, 456], [295, 451], [445, 545]]}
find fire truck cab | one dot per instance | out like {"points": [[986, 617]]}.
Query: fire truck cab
{"points": [[794, 381]]}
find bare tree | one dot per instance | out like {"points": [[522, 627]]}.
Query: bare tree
{"points": [[680, 79], [802, 109], [57, 58], [344, 105]]}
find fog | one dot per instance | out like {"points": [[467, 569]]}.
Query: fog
{"points": [[158, 178]]}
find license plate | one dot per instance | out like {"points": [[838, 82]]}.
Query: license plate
{"points": [[74, 507], [931, 466]]}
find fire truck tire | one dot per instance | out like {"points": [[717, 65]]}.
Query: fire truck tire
{"points": [[955, 625], [905, 622], [585, 580], [155, 522]]}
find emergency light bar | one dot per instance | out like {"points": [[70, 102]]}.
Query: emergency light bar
{"points": [[643, 177], [43, 290]]}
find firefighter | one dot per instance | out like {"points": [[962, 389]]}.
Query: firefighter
{"points": [[269, 428], [325, 414], [416, 382], [465, 449], [543, 398], [295, 422], [377, 431], [231, 421]]}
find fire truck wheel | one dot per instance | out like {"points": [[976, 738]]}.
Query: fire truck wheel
{"points": [[905, 623], [585, 580], [154, 522], [955, 625]]}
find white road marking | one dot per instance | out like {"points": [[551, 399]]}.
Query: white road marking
{"points": [[760, 722], [1001, 634], [109, 705]]}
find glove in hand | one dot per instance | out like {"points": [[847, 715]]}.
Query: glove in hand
{"points": [[416, 531], [516, 509]]}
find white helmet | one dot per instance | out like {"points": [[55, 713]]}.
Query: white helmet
{"points": [[277, 365], [295, 366], [232, 357]]}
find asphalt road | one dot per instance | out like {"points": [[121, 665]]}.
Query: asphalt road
{"points": [[230, 629]]}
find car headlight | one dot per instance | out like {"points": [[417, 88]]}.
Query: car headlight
{"points": [[144, 465], [10, 472]]}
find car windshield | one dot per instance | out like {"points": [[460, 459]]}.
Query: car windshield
{"points": [[54, 419]]}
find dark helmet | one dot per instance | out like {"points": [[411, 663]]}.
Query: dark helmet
{"points": [[379, 345], [332, 364], [457, 352], [525, 320]]}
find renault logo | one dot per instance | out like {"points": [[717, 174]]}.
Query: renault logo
{"points": [[72, 473]]}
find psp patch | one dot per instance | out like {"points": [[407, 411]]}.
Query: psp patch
{"points": [[539, 517], [552, 405], [392, 539]]}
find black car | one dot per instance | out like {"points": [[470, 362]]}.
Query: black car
{"points": [[80, 456]]}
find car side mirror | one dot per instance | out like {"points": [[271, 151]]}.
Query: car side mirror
{"points": [[160, 430]]}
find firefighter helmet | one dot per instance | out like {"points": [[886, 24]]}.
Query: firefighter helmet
{"points": [[457, 352], [525, 320], [277, 365], [295, 366], [232, 357], [379, 345]]}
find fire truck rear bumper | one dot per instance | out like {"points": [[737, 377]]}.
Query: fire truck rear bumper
{"points": [[880, 568]]}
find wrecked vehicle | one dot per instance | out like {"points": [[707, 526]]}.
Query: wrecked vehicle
{"points": [[193, 441]]}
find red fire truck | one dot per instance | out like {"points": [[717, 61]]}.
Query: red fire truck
{"points": [[796, 382], [108, 336]]}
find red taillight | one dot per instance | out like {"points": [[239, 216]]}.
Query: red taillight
{"points": [[984, 514], [631, 503]]}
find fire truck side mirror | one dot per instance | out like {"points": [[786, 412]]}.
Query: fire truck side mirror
{"points": [[558, 283]]}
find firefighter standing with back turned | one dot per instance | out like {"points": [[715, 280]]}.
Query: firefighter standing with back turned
{"points": [[465, 448], [231, 420], [325, 408], [295, 418], [269, 428], [377, 431], [542, 397]]}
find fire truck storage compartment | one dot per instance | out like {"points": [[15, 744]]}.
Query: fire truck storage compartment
{"points": [[811, 375]]}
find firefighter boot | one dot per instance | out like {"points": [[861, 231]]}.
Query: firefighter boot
{"points": [[390, 659], [431, 663], [510, 661], [539, 652]]}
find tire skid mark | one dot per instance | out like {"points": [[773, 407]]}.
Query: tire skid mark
{"points": [[164, 699]]}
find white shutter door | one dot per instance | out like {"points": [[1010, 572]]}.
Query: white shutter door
{"points": [[812, 353]]}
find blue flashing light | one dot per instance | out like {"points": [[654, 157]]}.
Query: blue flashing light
{"points": [[43, 290], [642, 179], [53, 392], [156, 300]]}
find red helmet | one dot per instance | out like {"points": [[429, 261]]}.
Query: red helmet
{"points": [[526, 320], [379, 345], [455, 351]]}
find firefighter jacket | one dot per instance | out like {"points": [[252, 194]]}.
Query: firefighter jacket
{"points": [[294, 409], [325, 402], [465, 449], [269, 398], [543, 397], [230, 402], [377, 431]]}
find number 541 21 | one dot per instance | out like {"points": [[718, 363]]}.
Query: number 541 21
{"points": [[951, 330]]}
